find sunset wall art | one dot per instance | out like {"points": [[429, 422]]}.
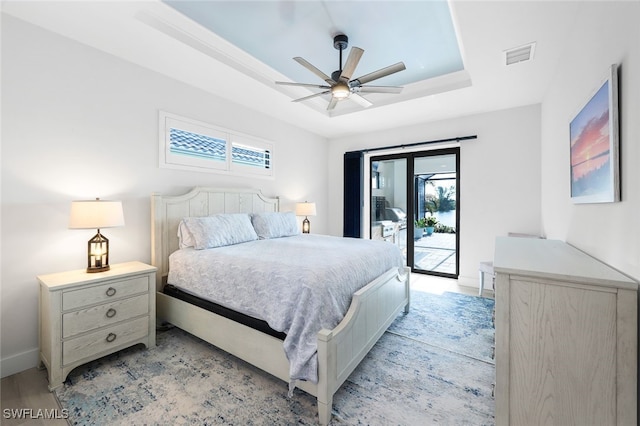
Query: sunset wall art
{"points": [[594, 146]]}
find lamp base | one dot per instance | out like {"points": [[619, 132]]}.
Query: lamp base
{"points": [[98, 269]]}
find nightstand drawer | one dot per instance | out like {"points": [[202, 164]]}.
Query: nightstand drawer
{"points": [[84, 316], [99, 316], [103, 340], [103, 293]]}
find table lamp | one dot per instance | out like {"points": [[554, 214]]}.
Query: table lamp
{"points": [[306, 209], [96, 214]]}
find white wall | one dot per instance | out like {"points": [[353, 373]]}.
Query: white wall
{"points": [[608, 32], [499, 176], [78, 123]]}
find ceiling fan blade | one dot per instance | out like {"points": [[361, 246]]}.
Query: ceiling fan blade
{"points": [[383, 72], [311, 96], [317, 86], [352, 62], [332, 103], [379, 89], [314, 70], [360, 100]]}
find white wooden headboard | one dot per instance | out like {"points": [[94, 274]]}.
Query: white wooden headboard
{"points": [[168, 211]]}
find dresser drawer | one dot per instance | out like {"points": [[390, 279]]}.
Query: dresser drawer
{"points": [[99, 316], [104, 340], [101, 293]]}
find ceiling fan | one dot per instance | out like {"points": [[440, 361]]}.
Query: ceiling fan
{"points": [[340, 85]]}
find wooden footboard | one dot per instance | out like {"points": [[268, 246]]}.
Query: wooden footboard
{"points": [[340, 350]]}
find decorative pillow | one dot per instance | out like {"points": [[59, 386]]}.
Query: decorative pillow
{"points": [[275, 224], [220, 230]]}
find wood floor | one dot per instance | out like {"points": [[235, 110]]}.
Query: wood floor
{"points": [[28, 389], [26, 395]]}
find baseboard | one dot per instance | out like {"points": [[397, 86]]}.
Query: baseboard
{"points": [[471, 282], [19, 362], [472, 285]]}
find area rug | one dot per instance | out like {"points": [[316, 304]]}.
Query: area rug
{"points": [[184, 380], [453, 321]]}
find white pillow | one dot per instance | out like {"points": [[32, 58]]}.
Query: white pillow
{"points": [[275, 224], [185, 239], [220, 230]]}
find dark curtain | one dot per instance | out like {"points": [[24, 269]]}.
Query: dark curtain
{"points": [[353, 193]]}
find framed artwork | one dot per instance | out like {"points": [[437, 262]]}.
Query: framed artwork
{"points": [[595, 163]]}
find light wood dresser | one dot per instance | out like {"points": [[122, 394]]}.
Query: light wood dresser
{"points": [[566, 337], [84, 316]]}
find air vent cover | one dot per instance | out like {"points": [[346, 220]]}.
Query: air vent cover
{"points": [[519, 54]]}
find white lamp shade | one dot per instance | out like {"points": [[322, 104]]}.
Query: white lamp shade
{"points": [[96, 214], [306, 209]]}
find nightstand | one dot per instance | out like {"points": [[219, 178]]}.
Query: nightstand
{"points": [[87, 316]]}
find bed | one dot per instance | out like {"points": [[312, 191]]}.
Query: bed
{"points": [[337, 350]]}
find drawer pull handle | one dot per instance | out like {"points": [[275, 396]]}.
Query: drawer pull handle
{"points": [[111, 291], [111, 337], [111, 313]]}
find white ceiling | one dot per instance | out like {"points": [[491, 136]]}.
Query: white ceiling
{"points": [[154, 35]]}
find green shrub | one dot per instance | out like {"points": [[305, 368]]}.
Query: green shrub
{"points": [[444, 229]]}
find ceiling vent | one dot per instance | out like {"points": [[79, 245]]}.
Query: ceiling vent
{"points": [[519, 54]]}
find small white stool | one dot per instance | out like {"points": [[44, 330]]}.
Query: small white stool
{"points": [[486, 268]]}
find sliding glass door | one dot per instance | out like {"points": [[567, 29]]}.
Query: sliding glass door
{"points": [[415, 204], [436, 236]]}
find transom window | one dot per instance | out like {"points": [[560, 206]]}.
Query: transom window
{"points": [[193, 145]]}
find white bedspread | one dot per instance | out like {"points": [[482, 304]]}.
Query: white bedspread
{"points": [[298, 285]]}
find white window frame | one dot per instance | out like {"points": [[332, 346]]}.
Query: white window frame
{"points": [[172, 160]]}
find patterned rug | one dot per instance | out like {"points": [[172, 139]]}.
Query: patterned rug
{"points": [[404, 380], [452, 321]]}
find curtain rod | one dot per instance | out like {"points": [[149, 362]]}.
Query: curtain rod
{"points": [[458, 139]]}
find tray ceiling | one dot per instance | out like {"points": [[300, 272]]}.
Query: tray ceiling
{"points": [[454, 51]]}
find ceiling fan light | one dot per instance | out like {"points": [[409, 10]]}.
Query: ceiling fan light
{"points": [[340, 90]]}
